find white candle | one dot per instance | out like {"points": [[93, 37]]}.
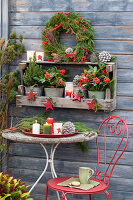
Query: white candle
{"points": [[36, 128], [69, 89], [57, 128], [30, 55], [39, 56]]}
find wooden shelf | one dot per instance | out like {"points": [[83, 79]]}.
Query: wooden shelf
{"points": [[107, 104]]}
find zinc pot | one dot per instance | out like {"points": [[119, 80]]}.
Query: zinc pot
{"points": [[84, 91], [54, 92], [97, 94], [35, 89]]}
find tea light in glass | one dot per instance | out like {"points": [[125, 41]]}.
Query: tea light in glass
{"points": [[39, 56], [57, 128], [69, 90], [30, 55]]}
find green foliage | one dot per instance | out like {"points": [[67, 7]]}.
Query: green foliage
{"points": [[12, 189], [14, 48], [81, 127], [26, 123], [52, 77], [32, 71], [70, 23]]}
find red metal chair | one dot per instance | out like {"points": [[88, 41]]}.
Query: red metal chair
{"points": [[116, 126]]}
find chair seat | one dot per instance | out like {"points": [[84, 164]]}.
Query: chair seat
{"points": [[52, 183]]}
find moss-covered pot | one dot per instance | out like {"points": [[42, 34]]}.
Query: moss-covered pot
{"points": [[97, 94], [54, 92]]}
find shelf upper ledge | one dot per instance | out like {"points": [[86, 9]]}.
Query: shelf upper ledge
{"points": [[71, 63]]}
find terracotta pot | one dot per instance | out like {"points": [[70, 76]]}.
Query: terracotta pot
{"points": [[54, 92], [97, 94], [36, 89]]}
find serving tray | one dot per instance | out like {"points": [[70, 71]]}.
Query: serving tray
{"points": [[48, 136]]}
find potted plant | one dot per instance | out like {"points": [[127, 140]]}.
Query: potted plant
{"points": [[32, 71], [97, 80], [78, 86], [12, 189], [53, 81]]}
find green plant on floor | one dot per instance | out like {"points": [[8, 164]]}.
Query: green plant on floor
{"points": [[12, 189], [32, 71]]}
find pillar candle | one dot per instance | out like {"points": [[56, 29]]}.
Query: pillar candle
{"points": [[30, 55], [39, 56], [36, 128], [51, 121], [69, 93], [57, 128], [47, 129]]}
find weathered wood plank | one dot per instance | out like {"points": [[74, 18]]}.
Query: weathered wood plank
{"points": [[36, 151], [68, 168], [107, 104], [101, 32], [96, 18], [93, 5], [39, 5], [112, 46]]}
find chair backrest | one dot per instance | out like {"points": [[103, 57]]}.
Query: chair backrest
{"points": [[113, 125]]}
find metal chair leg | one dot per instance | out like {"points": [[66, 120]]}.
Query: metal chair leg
{"points": [[46, 192], [90, 197], [107, 195]]}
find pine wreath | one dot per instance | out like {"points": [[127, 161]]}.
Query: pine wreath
{"points": [[72, 23]]}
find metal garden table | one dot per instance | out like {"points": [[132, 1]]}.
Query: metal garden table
{"points": [[20, 137]]}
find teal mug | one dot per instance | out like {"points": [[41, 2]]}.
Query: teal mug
{"points": [[85, 173]]}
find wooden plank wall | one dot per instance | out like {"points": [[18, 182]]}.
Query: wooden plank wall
{"points": [[113, 27]]}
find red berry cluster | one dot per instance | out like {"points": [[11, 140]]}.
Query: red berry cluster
{"points": [[62, 72], [106, 80], [47, 75], [96, 80], [60, 83]]}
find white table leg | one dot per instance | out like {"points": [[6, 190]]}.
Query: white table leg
{"points": [[46, 166], [54, 175], [49, 159]]}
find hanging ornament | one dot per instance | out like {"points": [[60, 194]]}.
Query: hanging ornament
{"points": [[77, 97], [91, 104], [31, 95], [48, 105], [69, 50]]}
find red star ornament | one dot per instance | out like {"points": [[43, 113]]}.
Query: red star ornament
{"points": [[48, 105], [77, 97], [90, 104], [31, 95], [59, 130]]}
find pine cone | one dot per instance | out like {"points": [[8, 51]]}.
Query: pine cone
{"points": [[93, 58], [104, 57], [76, 80], [68, 127]]}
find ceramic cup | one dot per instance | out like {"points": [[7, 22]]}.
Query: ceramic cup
{"points": [[85, 173]]}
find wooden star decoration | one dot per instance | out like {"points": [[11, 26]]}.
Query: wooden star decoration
{"points": [[91, 104], [48, 105], [77, 97], [31, 95]]}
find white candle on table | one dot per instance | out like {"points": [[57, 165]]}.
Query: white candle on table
{"points": [[36, 128]]}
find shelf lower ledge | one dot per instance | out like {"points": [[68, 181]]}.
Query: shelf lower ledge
{"points": [[107, 104]]}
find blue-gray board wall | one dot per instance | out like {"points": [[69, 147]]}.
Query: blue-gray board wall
{"points": [[113, 27]]}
